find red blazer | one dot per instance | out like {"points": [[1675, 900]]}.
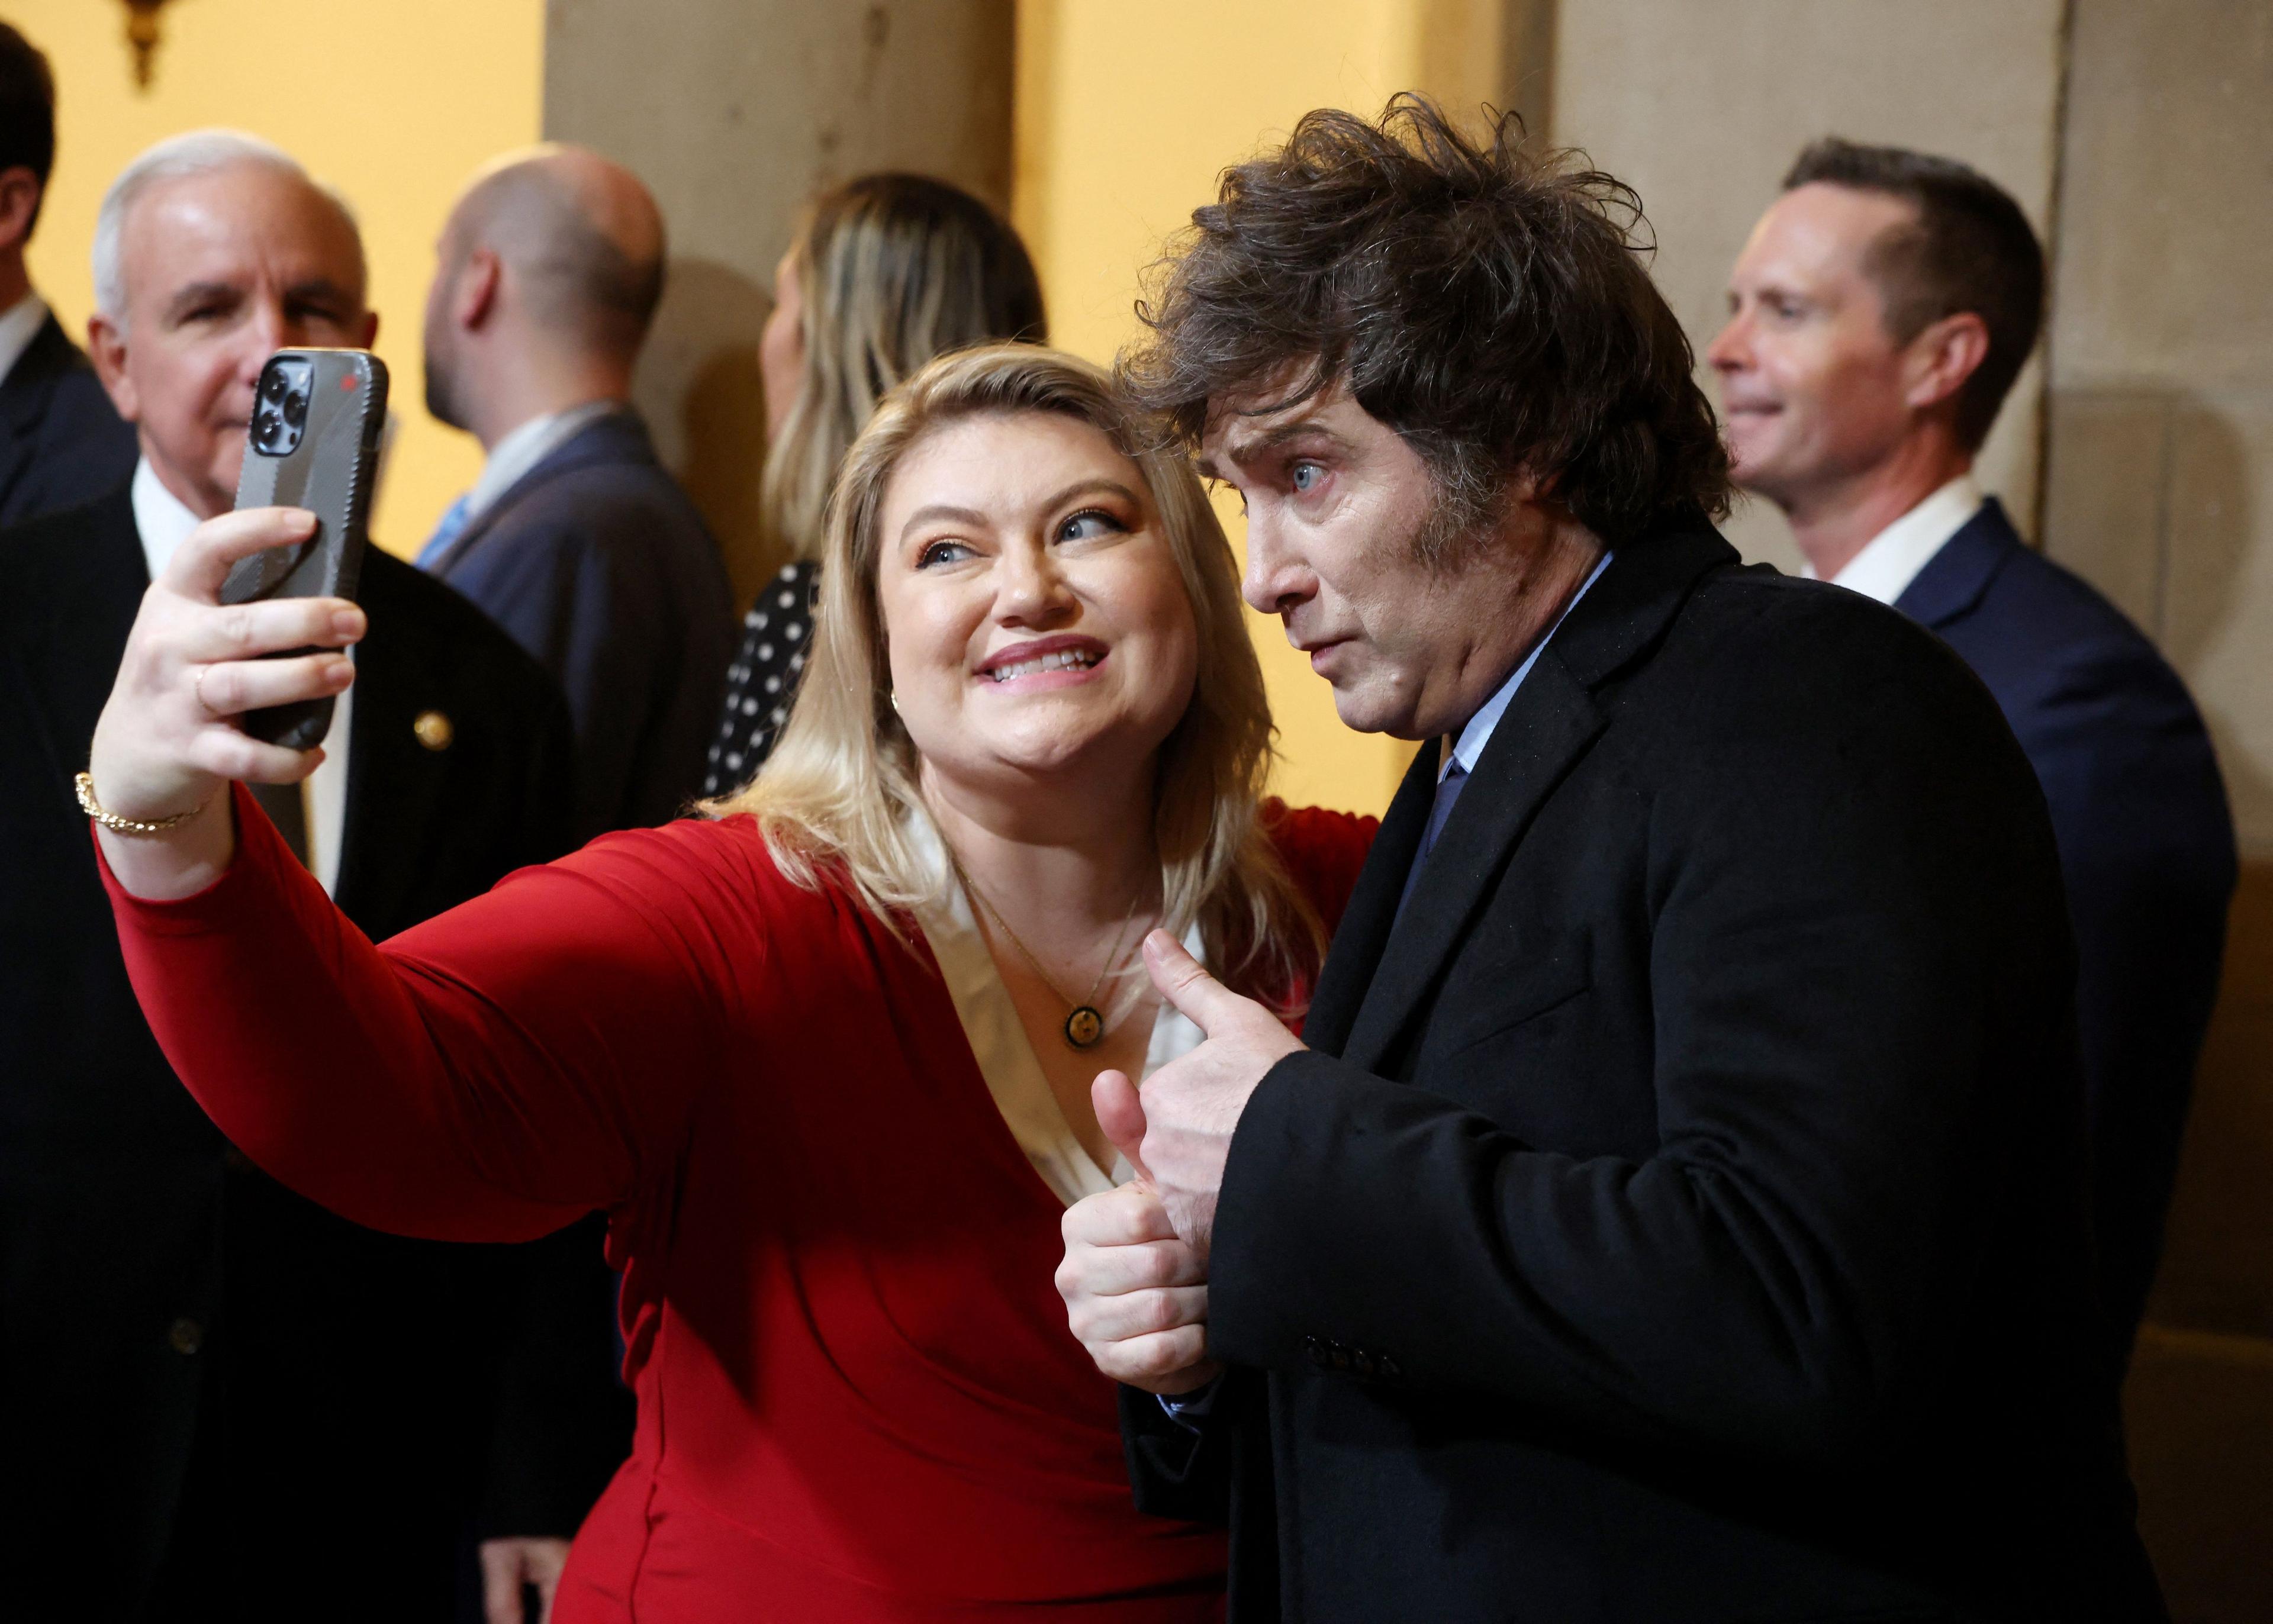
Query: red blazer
{"points": [[857, 1396]]}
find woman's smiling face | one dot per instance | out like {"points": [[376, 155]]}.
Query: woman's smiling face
{"points": [[1036, 618]]}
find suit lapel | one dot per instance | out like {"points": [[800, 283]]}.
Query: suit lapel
{"points": [[1388, 972], [617, 437], [1548, 727], [1372, 908], [1954, 578]]}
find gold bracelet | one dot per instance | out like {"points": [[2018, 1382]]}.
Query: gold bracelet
{"points": [[84, 784]]}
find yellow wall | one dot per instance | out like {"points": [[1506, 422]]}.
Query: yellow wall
{"points": [[1126, 115], [395, 103]]}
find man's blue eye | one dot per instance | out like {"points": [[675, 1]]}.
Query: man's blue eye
{"points": [[1307, 476]]}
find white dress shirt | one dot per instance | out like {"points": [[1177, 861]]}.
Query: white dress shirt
{"points": [[1005, 1059], [1891, 559], [20, 325], [164, 523]]}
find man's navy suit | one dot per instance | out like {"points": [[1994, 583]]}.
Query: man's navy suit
{"points": [[1679, 1214], [61, 443], [599, 564], [2145, 847], [205, 1379]]}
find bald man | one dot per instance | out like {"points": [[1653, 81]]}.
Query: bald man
{"points": [[217, 1400], [575, 539]]}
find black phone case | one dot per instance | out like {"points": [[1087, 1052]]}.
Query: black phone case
{"points": [[323, 463]]}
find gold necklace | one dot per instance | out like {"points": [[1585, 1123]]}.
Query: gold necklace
{"points": [[1084, 1026]]}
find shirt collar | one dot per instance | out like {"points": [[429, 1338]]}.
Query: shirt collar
{"points": [[1892, 559], [513, 457], [20, 325], [161, 518], [1477, 733]]}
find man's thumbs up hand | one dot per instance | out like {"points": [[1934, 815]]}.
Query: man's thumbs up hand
{"points": [[1183, 1120]]}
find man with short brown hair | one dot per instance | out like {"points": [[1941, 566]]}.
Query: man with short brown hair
{"points": [[1878, 317]]}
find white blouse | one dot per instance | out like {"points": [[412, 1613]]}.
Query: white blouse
{"points": [[1005, 1059]]}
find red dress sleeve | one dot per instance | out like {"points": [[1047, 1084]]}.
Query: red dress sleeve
{"points": [[491, 1075]]}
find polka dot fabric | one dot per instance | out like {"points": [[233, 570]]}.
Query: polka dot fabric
{"points": [[763, 678]]}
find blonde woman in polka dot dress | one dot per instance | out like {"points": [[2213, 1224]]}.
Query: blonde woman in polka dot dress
{"points": [[887, 272]]}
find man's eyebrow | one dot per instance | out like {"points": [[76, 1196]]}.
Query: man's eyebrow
{"points": [[1240, 448], [320, 288], [189, 297]]}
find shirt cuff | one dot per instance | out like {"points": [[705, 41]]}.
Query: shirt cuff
{"points": [[1188, 1410]]}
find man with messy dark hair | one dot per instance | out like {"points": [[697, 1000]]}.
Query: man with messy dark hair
{"points": [[1673, 1207]]}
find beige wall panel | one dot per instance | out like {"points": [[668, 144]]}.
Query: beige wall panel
{"points": [[2160, 468], [1702, 107], [734, 111], [2168, 205]]}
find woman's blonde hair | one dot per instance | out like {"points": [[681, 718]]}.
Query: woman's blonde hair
{"points": [[840, 791], [892, 270]]}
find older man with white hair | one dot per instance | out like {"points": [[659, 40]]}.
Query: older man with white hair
{"points": [[215, 1399]]}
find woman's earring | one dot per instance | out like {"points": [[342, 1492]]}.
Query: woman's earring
{"points": [[893, 695]]}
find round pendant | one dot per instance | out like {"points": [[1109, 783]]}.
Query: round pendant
{"points": [[1083, 1027]]}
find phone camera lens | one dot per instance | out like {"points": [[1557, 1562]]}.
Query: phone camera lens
{"points": [[295, 408], [272, 385]]}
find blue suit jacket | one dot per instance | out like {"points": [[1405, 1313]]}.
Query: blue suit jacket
{"points": [[2145, 847], [599, 566]]}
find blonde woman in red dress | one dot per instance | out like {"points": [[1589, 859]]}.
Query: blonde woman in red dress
{"points": [[824, 1054]]}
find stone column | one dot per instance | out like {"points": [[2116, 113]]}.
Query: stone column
{"points": [[734, 112]]}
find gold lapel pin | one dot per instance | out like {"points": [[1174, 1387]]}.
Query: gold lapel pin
{"points": [[433, 729]]}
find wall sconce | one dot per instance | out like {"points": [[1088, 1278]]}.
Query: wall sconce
{"points": [[142, 35]]}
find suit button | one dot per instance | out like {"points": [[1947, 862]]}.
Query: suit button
{"points": [[1315, 1351], [1362, 1362], [1338, 1355], [433, 729], [1390, 1369], [186, 1336]]}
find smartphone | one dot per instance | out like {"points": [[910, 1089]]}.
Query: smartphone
{"points": [[313, 443]]}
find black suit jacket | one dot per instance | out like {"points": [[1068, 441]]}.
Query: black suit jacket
{"points": [[1679, 1214], [202, 1376], [599, 566], [61, 443], [2145, 847]]}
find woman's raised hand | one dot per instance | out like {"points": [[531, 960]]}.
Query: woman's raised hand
{"points": [[166, 741]]}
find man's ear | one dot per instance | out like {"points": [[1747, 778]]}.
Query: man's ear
{"points": [[19, 204], [1936, 363], [106, 346], [369, 339], [474, 299]]}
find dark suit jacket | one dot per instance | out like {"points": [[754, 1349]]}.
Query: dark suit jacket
{"points": [[1680, 1214], [599, 566], [191, 1357], [2146, 846], [61, 443]]}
